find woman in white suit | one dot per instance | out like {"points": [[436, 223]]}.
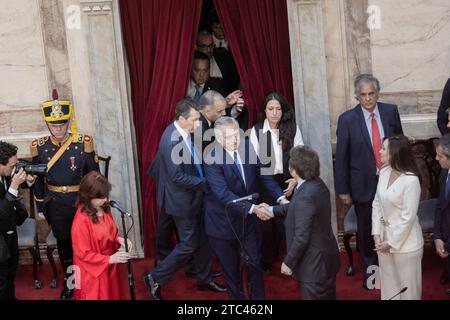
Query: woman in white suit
{"points": [[395, 225]]}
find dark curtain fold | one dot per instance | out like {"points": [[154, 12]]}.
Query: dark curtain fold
{"points": [[159, 38], [258, 34]]}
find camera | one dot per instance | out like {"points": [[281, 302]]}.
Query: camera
{"points": [[32, 169]]}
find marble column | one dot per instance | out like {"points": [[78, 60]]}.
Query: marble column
{"points": [[98, 75], [310, 84]]}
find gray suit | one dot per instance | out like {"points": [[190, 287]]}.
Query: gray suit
{"points": [[312, 251]]}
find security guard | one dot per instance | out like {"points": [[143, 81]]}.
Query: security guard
{"points": [[69, 156]]}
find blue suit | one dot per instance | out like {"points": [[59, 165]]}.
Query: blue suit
{"points": [[180, 189], [356, 172], [442, 220], [224, 224]]}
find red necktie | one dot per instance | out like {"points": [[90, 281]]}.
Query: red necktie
{"points": [[376, 141]]}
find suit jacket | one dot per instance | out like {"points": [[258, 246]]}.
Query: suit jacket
{"points": [[398, 205], [312, 250], [12, 214], [355, 162], [442, 117], [179, 184], [228, 68], [442, 214], [226, 184]]}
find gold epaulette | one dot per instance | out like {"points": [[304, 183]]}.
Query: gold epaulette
{"points": [[88, 143], [37, 143], [38, 199]]}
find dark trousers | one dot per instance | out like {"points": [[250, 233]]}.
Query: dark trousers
{"points": [[319, 291], [8, 269], [229, 254], [272, 231], [192, 242], [365, 240]]}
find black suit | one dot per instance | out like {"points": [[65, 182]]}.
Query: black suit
{"points": [[227, 66], [180, 189], [12, 214], [442, 117], [442, 220], [312, 250], [356, 172]]}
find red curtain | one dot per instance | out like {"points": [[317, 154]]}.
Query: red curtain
{"points": [[258, 34], [159, 37]]}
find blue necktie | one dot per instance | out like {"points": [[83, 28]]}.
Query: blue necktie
{"points": [[237, 164], [447, 185], [197, 93], [196, 160]]}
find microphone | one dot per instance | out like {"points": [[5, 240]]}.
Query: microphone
{"points": [[122, 210], [401, 291], [250, 197]]}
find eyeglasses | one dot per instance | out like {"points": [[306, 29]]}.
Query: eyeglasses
{"points": [[205, 46]]}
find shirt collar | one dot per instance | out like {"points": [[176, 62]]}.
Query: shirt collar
{"points": [[193, 84], [367, 113], [183, 133], [299, 184], [266, 126]]}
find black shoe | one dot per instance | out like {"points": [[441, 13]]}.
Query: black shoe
{"points": [[67, 294], [217, 274], [191, 274], [153, 287], [212, 286]]}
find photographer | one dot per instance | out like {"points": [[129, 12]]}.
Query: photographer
{"points": [[12, 214]]}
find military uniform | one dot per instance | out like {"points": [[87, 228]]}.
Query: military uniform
{"points": [[67, 162]]}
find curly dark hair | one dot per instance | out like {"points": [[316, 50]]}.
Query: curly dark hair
{"points": [[7, 151], [93, 186], [287, 125]]}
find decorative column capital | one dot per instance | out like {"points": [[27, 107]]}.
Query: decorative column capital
{"points": [[93, 6]]}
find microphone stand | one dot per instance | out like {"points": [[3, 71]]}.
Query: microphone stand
{"points": [[130, 272]]}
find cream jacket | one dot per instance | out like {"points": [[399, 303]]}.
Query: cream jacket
{"points": [[394, 212]]}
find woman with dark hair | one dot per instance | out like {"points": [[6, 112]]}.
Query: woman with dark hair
{"points": [[273, 136], [96, 243], [395, 225]]}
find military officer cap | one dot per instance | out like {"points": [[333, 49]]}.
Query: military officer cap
{"points": [[59, 112]]}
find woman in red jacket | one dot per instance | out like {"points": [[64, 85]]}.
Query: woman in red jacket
{"points": [[96, 243]]}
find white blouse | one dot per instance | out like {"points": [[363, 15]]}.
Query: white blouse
{"points": [[276, 144], [394, 212]]}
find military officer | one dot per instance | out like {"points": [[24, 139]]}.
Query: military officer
{"points": [[69, 156]]}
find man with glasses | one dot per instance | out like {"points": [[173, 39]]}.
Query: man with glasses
{"points": [[360, 133]]}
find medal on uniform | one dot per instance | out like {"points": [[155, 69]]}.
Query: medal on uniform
{"points": [[73, 166]]}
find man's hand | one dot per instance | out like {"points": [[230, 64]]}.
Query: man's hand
{"points": [[439, 244], [346, 199], [31, 179], [286, 270], [292, 183], [233, 98], [17, 179], [262, 211], [240, 105]]}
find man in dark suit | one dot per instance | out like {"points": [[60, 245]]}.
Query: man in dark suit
{"points": [[443, 116], [360, 132], [232, 170], [180, 187], [12, 214], [312, 255], [441, 234], [201, 82]]}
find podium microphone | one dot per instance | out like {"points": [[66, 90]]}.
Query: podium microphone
{"points": [[250, 197], [401, 291], [122, 210]]}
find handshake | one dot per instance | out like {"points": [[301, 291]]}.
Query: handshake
{"points": [[264, 211]]}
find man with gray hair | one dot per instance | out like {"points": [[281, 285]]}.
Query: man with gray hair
{"points": [[441, 234], [232, 170], [360, 132]]}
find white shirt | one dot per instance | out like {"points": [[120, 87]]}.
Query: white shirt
{"points": [[276, 144], [220, 43], [214, 70], [184, 135], [192, 89]]}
